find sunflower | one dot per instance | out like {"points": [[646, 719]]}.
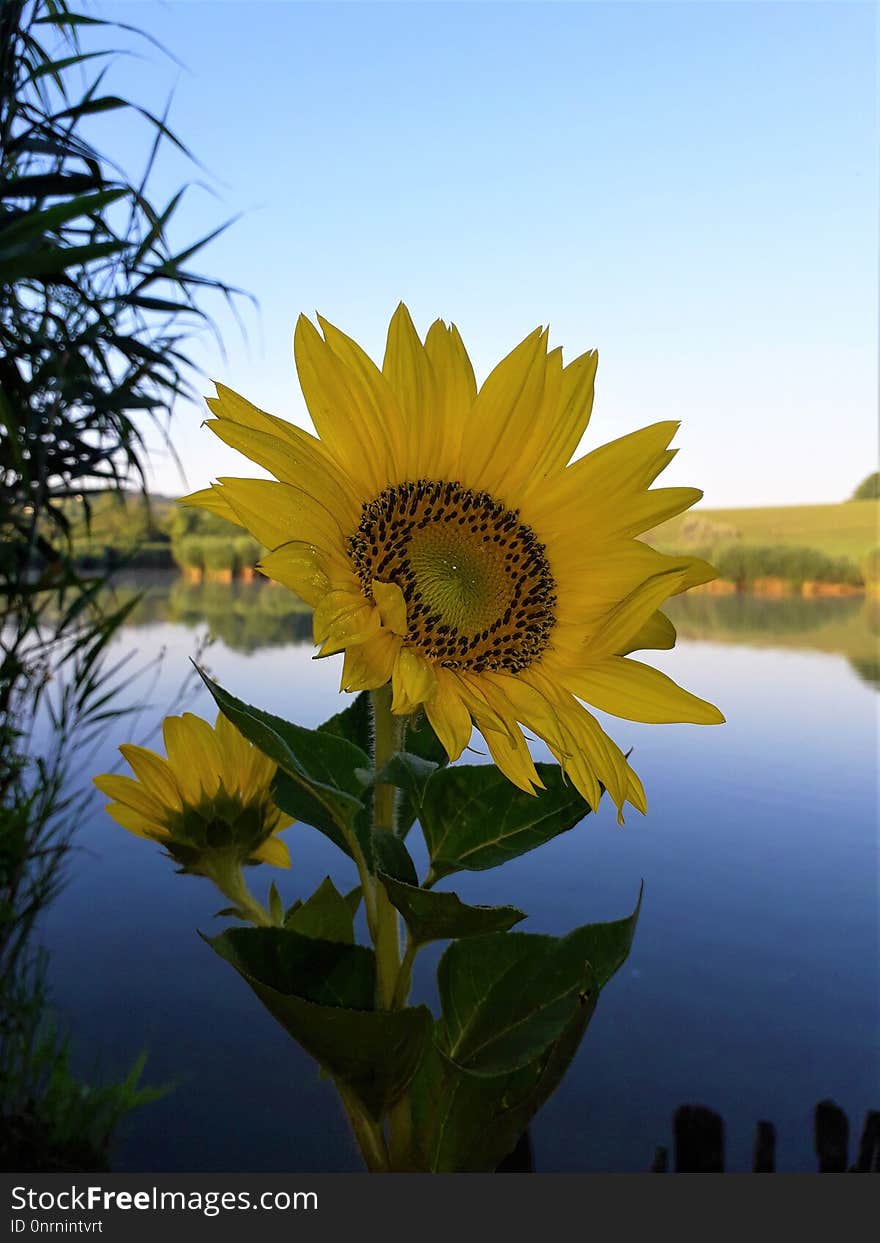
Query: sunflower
{"points": [[208, 801], [449, 546]]}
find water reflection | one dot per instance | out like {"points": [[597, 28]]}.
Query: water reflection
{"points": [[249, 616], [244, 616], [752, 986]]}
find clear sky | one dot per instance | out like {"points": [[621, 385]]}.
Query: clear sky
{"points": [[691, 188]]}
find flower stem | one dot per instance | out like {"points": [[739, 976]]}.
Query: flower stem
{"points": [[387, 739], [368, 1134], [404, 975], [229, 879]]}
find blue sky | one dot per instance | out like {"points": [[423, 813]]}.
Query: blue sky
{"points": [[691, 188]]}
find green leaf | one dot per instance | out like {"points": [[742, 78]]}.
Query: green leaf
{"points": [[503, 1043], [605, 946], [434, 916], [40, 185], [317, 782], [473, 818], [507, 998], [35, 224], [353, 723], [46, 261], [410, 773], [326, 972], [374, 1052], [393, 858], [469, 1123], [326, 915]]}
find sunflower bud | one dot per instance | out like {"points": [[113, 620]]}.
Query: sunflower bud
{"points": [[208, 804]]}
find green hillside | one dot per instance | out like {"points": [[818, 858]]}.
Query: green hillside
{"points": [[850, 529]]}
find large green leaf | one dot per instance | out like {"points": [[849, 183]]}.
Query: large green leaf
{"points": [[375, 1053], [326, 915], [293, 796], [434, 916], [605, 946], [507, 998], [353, 723], [331, 973], [469, 1123], [504, 1043], [474, 818], [318, 782]]}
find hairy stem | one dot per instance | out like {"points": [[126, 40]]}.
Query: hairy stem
{"points": [[229, 879], [368, 1133], [387, 739]]}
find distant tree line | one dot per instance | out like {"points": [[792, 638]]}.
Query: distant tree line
{"points": [[869, 488]]}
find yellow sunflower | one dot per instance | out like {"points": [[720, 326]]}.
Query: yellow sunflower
{"points": [[208, 800], [448, 545]]}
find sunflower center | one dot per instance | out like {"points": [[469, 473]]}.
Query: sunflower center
{"points": [[477, 584]]}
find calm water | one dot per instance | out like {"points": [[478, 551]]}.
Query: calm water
{"points": [[753, 982]]}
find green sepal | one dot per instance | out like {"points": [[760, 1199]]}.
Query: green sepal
{"points": [[353, 899], [375, 1053], [325, 915], [434, 916], [473, 818], [316, 782], [276, 907]]}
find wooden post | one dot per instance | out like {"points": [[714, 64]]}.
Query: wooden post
{"points": [[699, 1140], [831, 1132], [764, 1158]]}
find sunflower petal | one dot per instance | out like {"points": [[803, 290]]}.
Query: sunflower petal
{"points": [[154, 773], [392, 606], [407, 367], [624, 621], [141, 826], [300, 568], [367, 666], [456, 391], [276, 513], [273, 851], [413, 681], [132, 794], [214, 501], [503, 416], [343, 410], [204, 754], [637, 692], [296, 464], [447, 714], [657, 633]]}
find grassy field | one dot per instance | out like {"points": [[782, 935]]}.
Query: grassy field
{"points": [[850, 529]]}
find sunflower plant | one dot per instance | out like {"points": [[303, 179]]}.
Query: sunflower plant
{"points": [[471, 575]]}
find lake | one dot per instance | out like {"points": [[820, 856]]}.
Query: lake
{"points": [[752, 986]]}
